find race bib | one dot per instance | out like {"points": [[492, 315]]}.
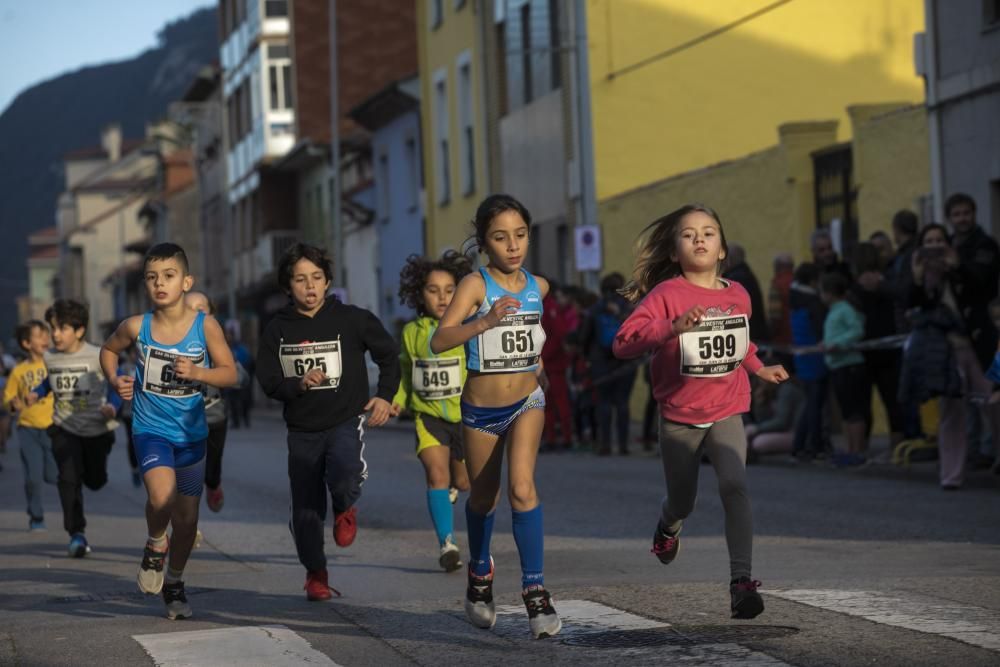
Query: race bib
{"points": [[71, 387], [715, 347], [514, 344], [437, 379], [297, 360], [159, 377]]}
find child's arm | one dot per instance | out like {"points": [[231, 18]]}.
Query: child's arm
{"points": [[118, 342], [222, 373], [402, 398], [650, 326], [846, 330], [470, 293], [385, 354], [272, 380], [10, 399]]}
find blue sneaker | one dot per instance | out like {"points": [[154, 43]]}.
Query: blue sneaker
{"points": [[78, 547], [37, 526]]}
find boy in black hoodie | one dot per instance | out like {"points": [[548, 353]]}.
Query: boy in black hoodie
{"points": [[312, 359]]}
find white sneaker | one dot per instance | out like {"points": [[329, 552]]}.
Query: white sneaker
{"points": [[450, 559], [479, 606], [542, 617], [453, 495]]}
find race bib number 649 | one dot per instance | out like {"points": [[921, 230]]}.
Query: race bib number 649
{"points": [[715, 346]]}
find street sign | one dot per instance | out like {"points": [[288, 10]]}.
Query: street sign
{"points": [[588, 248]]}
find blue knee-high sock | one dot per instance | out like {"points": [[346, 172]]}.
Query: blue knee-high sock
{"points": [[480, 528], [439, 506], [528, 534]]}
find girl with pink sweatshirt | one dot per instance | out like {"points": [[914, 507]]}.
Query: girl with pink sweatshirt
{"points": [[696, 324]]}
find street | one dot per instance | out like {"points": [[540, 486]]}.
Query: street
{"points": [[866, 566]]}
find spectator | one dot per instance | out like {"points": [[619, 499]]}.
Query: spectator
{"points": [[612, 377], [777, 409], [900, 278], [807, 316], [740, 271], [825, 256], [778, 311], [582, 392], [558, 320]]}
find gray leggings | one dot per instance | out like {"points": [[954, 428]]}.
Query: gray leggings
{"points": [[681, 447]]}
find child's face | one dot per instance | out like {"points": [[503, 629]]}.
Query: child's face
{"points": [[935, 238], [507, 241], [38, 342], [198, 301], [309, 286], [166, 282], [439, 288], [699, 243], [64, 337]]}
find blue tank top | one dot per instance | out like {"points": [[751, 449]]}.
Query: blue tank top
{"points": [[515, 344], [164, 404]]}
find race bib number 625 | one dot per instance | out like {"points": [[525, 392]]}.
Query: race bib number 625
{"points": [[297, 360]]}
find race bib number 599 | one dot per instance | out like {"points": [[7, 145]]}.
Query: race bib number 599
{"points": [[715, 347]]}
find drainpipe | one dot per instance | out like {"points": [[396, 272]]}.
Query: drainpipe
{"points": [[927, 65]]}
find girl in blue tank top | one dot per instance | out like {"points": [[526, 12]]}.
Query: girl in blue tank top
{"points": [[497, 314], [178, 351]]}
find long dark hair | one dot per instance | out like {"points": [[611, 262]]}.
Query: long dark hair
{"points": [[655, 248], [488, 209], [413, 277]]}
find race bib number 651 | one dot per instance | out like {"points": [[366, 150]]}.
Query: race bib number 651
{"points": [[715, 347], [297, 360], [514, 344]]}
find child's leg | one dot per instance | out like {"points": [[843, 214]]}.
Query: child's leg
{"points": [[213, 460], [679, 450], [436, 460], [68, 451], [346, 468], [526, 511], [161, 492], [33, 460], [726, 446], [483, 461], [306, 472], [184, 516], [95, 460]]}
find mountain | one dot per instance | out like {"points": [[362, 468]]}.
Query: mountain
{"points": [[50, 119]]}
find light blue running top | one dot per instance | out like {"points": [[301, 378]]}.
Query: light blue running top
{"points": [[515, 345], [164, 404]]}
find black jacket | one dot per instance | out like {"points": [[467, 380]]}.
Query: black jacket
{"points": [[742, 274], [358, 331], [976, 285]]}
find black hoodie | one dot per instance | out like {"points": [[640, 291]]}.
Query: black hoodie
{"points": [[292, 344]]}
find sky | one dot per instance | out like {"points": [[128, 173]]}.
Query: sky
{"points": [[46, 38]]}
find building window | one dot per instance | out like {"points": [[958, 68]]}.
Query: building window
{"points": [[526, 52], [442, 148], [383, 187], [991, 13], [436, 8], [466, 138], [274, 9], [413, 173], [279, 83]]}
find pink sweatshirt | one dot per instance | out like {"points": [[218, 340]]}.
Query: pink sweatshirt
{"points": [[713, 386]]}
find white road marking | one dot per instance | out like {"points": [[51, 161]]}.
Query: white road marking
{"points": [[966, 623], [267, 645], [582, 617]]}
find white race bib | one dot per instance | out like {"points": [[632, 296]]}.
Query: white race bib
{"points": [[297, 360], [437, 379], [715, 347], [71, 386], [158, 374], [514, 344]]}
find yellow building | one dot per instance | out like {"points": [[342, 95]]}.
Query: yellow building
{"points": [[455, 168]]}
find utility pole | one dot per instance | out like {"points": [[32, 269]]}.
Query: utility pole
{"points": [[587, 202], [336, 231]]}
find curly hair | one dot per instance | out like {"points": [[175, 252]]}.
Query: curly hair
{"points": [[413, 277]]}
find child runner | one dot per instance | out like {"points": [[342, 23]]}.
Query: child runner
{"points": [[431, 386], [178, 350], [497, 314], [312, 359], [84, 416], [696, 326], [32, 421]]}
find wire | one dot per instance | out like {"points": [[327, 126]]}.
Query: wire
{"points": [[698, 40]]}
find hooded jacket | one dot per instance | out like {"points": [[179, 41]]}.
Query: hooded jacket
{"points": [[293, 343]]}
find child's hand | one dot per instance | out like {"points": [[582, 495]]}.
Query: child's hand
{"points": [[16, 404], [380, 411], [185, 369], [313, 378], [124, 385], [773, 374], [395, 409], [31, 399], [502, 307], [108, 411], [688, 320]]}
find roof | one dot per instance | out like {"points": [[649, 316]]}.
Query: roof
{"points": [[117, 184], [386, 105], [44, 252], [98, 152], [43, 237]]}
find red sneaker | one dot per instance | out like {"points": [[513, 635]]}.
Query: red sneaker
{"points": [[317, 586], [345, 527], [214, 498]]}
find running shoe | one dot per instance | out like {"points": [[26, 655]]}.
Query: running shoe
{"points": [[214, 498], [150, 577], [36, 526], [479, 605], [345, 527], [542, 616], [450, 558], [318, 586], [665, 545], [746, 601], [176, 601], [78, 547], [453, 495]]}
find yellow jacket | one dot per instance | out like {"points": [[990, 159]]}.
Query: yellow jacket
{"points": [[26, 376]]}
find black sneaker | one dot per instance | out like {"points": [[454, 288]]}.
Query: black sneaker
{"points": [[542, 617], [746, 601], [665, 545], [479, 605], [176, 601]]}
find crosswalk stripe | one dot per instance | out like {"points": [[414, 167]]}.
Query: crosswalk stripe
{"points": [[966, 623], [271, 645]]}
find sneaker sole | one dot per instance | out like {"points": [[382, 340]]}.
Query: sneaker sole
{"points": [[324, 598], [550, 633], [749, 608], [79, 552], [179, 615], [668, 559], [450, 561], [155, 586], [470, 610]]}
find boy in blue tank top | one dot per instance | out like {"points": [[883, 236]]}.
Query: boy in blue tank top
{"points": [[179, 349], [497, 314]]}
